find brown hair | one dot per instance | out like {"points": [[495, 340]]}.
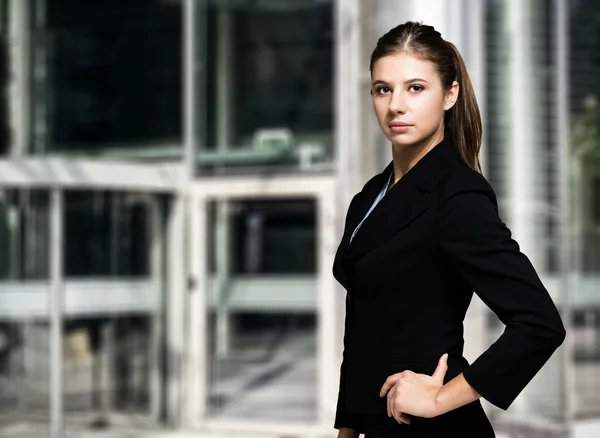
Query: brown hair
{"points": [[462, 122]]}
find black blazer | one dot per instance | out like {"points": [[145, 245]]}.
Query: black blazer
{"points": [[410, 273]]}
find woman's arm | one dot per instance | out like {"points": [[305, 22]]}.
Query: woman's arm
{"points": [[454, 394], [480, 248]]}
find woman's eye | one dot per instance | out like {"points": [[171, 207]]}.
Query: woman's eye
{"points": [[416, 87], [381, 90]]}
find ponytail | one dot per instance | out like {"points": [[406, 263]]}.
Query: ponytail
{"points": [[463, 121]]}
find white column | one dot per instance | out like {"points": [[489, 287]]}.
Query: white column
{"points": [[18, 61], [175, 314], [526, 177], [349, 72], [570, 266], [524, 173], [197, 346], [329, 298], [56, 313], [157, 272], [224, 135], [189, 304]]}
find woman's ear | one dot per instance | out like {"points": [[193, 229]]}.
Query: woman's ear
{"points": [[451, 96]]}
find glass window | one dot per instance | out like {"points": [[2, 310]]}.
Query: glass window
{"points": [[271, 237], [24, 224], [108, 234], [269, 85], [111, 77]]}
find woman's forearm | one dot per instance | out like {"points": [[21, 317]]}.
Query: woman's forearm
{"points": [[454, 394]]}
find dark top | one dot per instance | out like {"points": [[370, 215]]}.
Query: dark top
{"points": [[410, 273]]}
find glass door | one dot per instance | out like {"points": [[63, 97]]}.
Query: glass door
{"points": [[261, 323]]}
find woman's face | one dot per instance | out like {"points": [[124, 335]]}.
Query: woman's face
{"points": [[409, 99]]}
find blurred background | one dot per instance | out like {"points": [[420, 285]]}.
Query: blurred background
{"points": [[174, 178]]}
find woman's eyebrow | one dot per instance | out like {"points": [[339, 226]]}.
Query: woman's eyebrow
{"points": [[415, 80], [409, 81], [378, 82]]}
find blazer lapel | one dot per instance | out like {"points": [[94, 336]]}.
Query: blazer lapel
{"points": [[363, 203], [355, 214], [401, 205], [398, 208]]}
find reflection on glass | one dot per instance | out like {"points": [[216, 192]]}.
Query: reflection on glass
{"points": [[108, 361], [113, 82], [262, 309], [269, 83], [114, 312], [24, 326]]}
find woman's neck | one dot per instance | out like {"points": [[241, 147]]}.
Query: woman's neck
{"points": [[405, 157]]}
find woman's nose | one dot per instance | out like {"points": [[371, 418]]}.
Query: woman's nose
{"points": [[397, 104]]}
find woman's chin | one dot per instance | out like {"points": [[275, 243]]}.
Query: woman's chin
{"points": [[402, 140]]}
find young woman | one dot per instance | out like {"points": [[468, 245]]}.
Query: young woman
{"points": [[419, 239]]}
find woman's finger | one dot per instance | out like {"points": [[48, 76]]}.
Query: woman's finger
{"points": [[398, 416], [389, 383], [389, 398], [405, 418], [401, 418]]}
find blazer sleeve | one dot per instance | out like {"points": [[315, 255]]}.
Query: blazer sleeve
{"points": [[480, 248]]}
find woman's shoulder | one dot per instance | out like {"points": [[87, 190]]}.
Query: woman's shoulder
{"points": [[463, 180]]}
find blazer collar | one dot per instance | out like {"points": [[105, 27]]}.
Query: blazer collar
{"points": [[402, 204]]}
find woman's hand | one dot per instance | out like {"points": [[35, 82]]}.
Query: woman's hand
{"points": [[346, 432], [414, 394]]}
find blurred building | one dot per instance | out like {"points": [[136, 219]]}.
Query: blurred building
{"points": [[174, 177]]}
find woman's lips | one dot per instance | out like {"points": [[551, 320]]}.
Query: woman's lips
{"points": [[399, 127]]}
